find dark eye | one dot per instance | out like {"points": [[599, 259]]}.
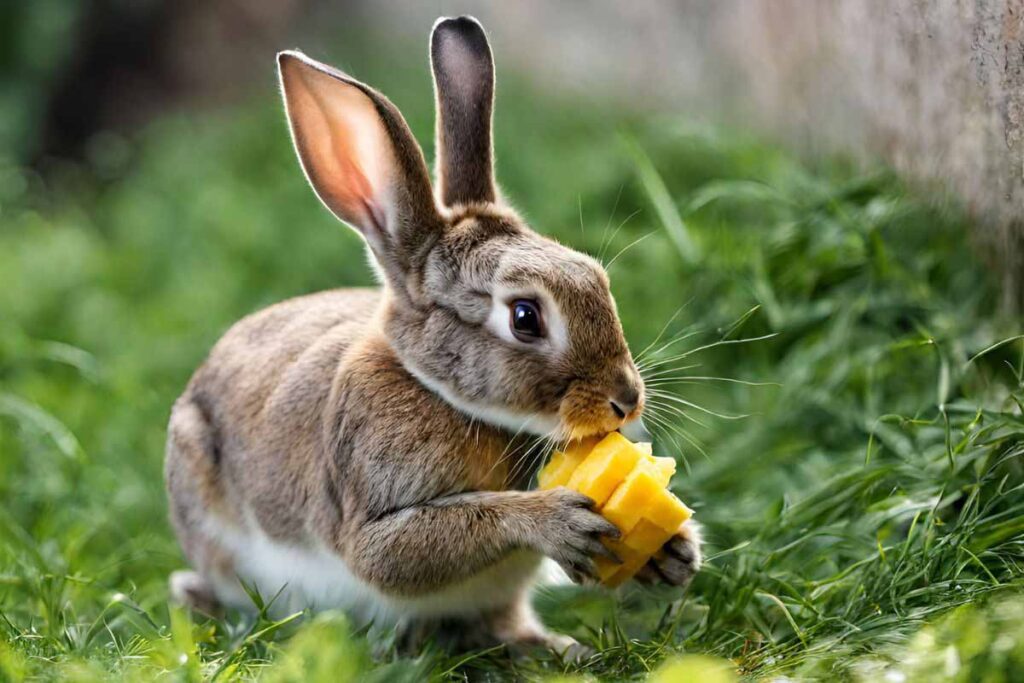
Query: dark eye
{"points": [[525, 321]]}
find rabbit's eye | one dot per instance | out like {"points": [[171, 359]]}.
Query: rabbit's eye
{"points": [[525, 320]]}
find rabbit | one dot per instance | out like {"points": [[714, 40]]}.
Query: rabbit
{"points": [[360, 448]]}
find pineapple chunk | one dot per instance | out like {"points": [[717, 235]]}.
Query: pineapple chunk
{"points": [[666, 467], [668, 512], [564, 463], [626, 505], [605, 568], [629, 487], [647, 538], [632, 562], [634, 549], [604, 469]]}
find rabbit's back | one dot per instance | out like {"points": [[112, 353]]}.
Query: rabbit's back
{"points": [[243, 439]]}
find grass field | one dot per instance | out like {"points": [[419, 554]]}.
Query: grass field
{"points": [[830, 372]]}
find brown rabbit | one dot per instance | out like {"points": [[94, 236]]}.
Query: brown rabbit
{"points": [[362, 448]]}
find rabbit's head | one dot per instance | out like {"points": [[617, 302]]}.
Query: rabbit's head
{"points": [[507, 326]]}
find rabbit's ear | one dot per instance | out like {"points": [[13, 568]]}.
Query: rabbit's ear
{"points": [[361, 159], [464, 87]]}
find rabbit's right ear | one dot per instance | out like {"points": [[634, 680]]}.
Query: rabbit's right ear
{"points": [[361, 159], [464, 88]]}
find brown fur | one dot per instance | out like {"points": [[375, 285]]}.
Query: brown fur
{"points": [[306, 420]]}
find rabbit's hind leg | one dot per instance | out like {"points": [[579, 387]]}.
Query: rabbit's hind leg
{"points": [[191, 589], [515, 626], [196, 488], [522, 631], [212, 586]]}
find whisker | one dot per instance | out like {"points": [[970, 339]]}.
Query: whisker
{"points": [[667, 424], [677, 411], [511, 441], [667, 428], [648, 374], [739, 322], [652, 359], [626, 248], [525, 460], [672, 397], [579, 203], [608, 222], [695, 379], [543, 454], [604, 246], [505, 453], [540, 448], [661, 430], [664, 328], [539, 456], [720, 342]]}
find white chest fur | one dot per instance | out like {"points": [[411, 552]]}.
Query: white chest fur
{"points": [[314, 577]]}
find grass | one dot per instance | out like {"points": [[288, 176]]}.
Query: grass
{"points": [[865, 517]]}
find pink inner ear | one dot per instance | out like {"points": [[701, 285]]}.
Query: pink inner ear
{"points": [[343, 146], [352, 186]]}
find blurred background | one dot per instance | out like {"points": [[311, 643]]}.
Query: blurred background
{"points": [[934, 89], [812, 218]]}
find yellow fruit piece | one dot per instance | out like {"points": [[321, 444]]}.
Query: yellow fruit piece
{"points": [[665, 467], [634, 549], [642, 489], [632, 562], [647, 538], [563, 464], [605, 568], [605, 468], [667, 512], [629, 486], [626, 505]]}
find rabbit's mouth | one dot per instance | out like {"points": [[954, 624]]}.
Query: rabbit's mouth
{"points": [[585, 412], [636, 431]]}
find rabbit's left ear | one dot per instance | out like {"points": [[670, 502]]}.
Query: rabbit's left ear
{"points": [[361, 159], [464, 88]]}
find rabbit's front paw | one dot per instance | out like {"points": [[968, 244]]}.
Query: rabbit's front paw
{"points": [[569, 532], [679, 560]]}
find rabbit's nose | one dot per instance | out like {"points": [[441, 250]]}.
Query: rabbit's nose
{"points": [[626, 394], [625, 401]]}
